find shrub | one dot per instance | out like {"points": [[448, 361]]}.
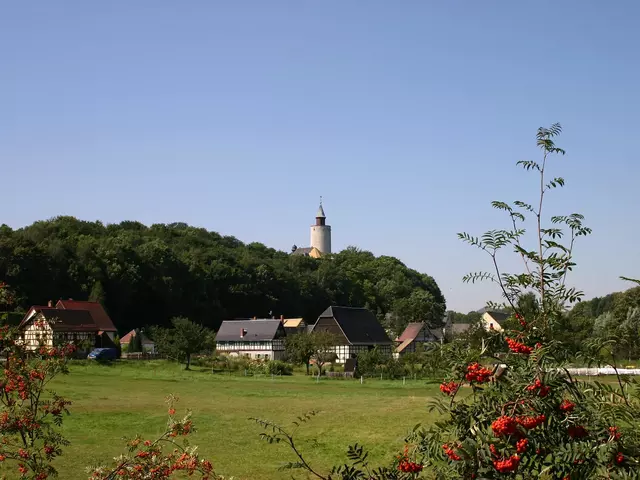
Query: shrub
{"points": [[278, 367], [30, 416], [372, 362], [147, 459], [528, 416]]}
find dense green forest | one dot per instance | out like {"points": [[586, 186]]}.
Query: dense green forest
{"points": [[147, 275]]}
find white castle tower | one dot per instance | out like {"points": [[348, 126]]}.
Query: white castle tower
{"points": [[320, 232]]}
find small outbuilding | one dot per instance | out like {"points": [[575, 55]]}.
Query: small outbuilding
{"points": [[148, 345]]}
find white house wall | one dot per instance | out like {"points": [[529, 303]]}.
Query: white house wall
{"points": [[36, 334], [489, 322]]}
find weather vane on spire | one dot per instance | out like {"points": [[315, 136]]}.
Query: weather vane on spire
{"points": [[320, 200]]}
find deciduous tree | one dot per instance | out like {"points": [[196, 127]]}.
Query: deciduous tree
{"points": [[324, 348], [183, 340], [299, 348]]}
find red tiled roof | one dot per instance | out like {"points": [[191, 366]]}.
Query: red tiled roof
{"points": [[411, 332], [67, 320], [98, 314]]}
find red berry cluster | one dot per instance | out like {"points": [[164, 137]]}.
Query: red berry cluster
{"points": [[477, 373], [521, 445], [449, 388], [507, 465], [577, 431], [567, 406], [151, 462], [530, 422], [520, 319], [450, 452], [410, 467], [518, 347], [614, 433], [406, 465], [543, 390], [619, 458], [183, 429], [504, 426]]}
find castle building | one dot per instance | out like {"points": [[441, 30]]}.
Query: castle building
{"points": [[320, 237]]}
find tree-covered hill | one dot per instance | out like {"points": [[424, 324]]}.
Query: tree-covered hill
{"points": [[147, 275]]}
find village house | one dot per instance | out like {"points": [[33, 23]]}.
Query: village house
{"points": [[97, 312], [293, 325], [492, 319], [415, 334], [258, 338], [358, 331], [57, 325], [148, 345]]}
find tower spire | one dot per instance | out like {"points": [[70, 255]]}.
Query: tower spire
{"points": [[320, 213]]}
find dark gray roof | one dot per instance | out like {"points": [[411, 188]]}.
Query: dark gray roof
{"points": [[499, 317], [437, 333], [302, 251], [359, 325], [257, 330], [458, 328]]}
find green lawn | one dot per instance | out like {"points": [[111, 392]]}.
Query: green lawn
{"points": [[110, 402]]}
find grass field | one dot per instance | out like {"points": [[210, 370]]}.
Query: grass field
{"points": [[110, 402]]}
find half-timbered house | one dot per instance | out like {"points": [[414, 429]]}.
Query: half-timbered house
{"points": [[259, 338], [357, 330], [51, 326], [415, 334]]}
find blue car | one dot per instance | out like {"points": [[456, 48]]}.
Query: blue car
{"points": [[103, 354]]}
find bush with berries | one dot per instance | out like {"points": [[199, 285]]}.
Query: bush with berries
{"points": [[528, 417], [149, 459], [31, 416], [510, 408]]}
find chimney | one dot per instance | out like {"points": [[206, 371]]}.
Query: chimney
{"points": [[255, 318], [50, 303], [281, 318]]}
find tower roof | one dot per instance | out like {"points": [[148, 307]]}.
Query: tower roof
{"points": [[320, 213]]}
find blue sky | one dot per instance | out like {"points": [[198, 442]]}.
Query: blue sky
{"points": [[407, 117]]}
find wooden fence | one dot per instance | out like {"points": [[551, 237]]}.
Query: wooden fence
{"points": [[339, 374], [142, 356]]}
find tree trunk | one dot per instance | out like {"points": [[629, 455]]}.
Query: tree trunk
{"points": [[188, 361], [307, 367]]}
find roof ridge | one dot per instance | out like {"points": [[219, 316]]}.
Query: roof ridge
{"points": [[254, 319]]}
